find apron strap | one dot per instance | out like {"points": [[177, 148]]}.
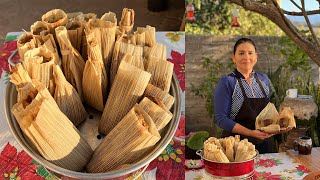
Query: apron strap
{"points": [[260, 85]]}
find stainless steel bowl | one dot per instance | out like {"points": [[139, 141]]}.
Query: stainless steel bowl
{"points": [[166, 136]]}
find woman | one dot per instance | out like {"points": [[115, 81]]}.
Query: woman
{"points": [[240, 96]]}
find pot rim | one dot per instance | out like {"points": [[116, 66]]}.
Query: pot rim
{"points": [[200, 153], [142, 163]]}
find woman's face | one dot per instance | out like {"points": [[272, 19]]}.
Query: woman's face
{"points": [[245, 57]]}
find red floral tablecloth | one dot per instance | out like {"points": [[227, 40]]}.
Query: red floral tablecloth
{"points": [[15, 164], [273, 166]]}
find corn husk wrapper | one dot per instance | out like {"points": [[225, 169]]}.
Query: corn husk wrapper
{"points": [[157, 111], [75, 32], [55, 18], [51, 132], [146, 36], [67, 98], [269, 112], [49, 43], [161, 71], [40, 28], [110, 16], [20, 78], [128, 87], [38, 63], [156, 92], [84, 19], [286, 119], [134, 60], [132, 137], [107, 38], [154, 54], [25, 43], [94, 82], [127, 20], [120, 49], [72, 62]]}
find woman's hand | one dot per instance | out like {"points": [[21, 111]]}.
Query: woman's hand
{"points": [[260, 135]]}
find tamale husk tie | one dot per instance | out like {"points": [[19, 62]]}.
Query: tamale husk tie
{"points": [[75, 31], [72, 62], [127, 20], [68, 98], [52, 133], [107, 36], [153, 91], [38, 63], [25, 42], [149, 36], [48, 42], [161, 71], [120, 49], [160, 115], [94, 82], [134, 60], [133, 136], [40, 28], [55, 18], [128, 87]]}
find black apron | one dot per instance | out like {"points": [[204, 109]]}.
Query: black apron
{"points": [[247, 114]]}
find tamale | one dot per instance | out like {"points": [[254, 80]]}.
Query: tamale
{"points": [[72, 62], [161, 71], [94, 82], [134, 135], [84, 18], [160, 116], [127, 20], [38, 63], [134, 60], [110, 16], [107, 38], [154, 54], [67, 98], [75, 32], [163, 96], [25, 43], [55, 18], [74, 15], [52, 133], [120, 49], [128, 87], [40, 28], [149, 35], [48, 42]]}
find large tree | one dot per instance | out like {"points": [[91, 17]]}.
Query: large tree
{"points": [[271, 10]]}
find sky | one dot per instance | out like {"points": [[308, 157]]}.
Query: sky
{"points": [[310, 5]]}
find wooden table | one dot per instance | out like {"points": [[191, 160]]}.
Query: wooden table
{"points": [[311, 161]]}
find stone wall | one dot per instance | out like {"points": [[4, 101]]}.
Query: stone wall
{"points": [[219, 48]]}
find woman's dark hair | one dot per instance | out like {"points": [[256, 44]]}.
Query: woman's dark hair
{"points": [[243, 40]]}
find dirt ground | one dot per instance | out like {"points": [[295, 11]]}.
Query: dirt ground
{"points": [[21, 14]]}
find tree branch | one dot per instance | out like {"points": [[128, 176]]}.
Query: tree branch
{"points": [[274, 13], [292, 1], [292, 13], [309, 24]]}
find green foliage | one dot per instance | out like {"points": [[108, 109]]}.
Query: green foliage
{"points": [[217, 19], [197, 139]]}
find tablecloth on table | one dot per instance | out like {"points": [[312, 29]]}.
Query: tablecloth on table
{"points": [[273, 166], [16, 164]]}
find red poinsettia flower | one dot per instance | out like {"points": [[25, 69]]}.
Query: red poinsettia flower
{"points": [[181, 128], [303, 169], [5, 52], [179, 67], [15, 166], [266, 163], [266, 175]]}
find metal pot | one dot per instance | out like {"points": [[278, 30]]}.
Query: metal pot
{"points": [[231, 170], [136, 168]]}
